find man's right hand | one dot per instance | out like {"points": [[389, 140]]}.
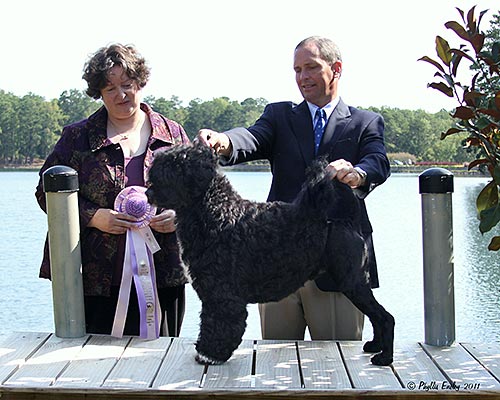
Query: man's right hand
{"points": [[218, 141]]}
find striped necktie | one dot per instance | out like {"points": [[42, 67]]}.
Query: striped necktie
{"points": [[319, 128]]}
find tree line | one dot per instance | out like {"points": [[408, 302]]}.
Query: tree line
{"points": [[31, 125]]}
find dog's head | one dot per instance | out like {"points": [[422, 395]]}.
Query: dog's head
{"points": [[181, 175]]}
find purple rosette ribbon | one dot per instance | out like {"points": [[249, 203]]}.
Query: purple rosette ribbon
{"points": [[138, 265]]}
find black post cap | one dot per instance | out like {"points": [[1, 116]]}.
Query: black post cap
{"points": [[60, 178], [436, 180]]}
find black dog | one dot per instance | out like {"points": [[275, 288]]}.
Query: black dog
{"points": [[237, 251]]}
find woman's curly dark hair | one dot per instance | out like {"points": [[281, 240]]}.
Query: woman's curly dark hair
{"points": [[96, 69]]}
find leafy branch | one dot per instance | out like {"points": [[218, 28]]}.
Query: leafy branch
{"points": [[478, 110]]}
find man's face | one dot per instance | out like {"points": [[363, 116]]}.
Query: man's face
{"points": [[316, 79]]}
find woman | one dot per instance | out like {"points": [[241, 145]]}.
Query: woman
{"points": [[112, 149]]}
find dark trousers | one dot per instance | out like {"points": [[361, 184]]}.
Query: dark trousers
{"points": [[100, 312]]}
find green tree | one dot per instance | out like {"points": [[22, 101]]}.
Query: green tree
{"points": [[221, 114], [39, 123], [414, 132], [9, 127], [76, 105], [172, 109]]}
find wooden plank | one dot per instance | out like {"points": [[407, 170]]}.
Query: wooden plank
{"points": [[139, 364], [415, 368], [179, 370], [322, 366], [488, 354], [92, 365], [363, 374], [16, 348], [463, 371], [43, 368], [235, 373], [276, 365]]}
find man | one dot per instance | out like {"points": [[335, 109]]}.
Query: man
{"points": [[290, 136]]}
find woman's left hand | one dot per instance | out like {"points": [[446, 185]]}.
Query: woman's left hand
{"points": [[164, 222]]}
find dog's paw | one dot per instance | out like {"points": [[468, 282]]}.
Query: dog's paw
{"points": [[205, 360], [381, 359], [372, 347]]}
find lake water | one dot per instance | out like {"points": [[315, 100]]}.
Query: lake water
{"points": [[395, 212]]}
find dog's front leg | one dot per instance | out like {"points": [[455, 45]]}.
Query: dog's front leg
{"points": [[223, 323], [382, 321]]}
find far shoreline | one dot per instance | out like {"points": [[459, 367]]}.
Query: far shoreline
{"points": [[264, 167]]}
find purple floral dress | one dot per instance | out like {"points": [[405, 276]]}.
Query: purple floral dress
{"points": [[100, 164]]}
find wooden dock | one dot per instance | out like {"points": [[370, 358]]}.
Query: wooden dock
{"points": [[43, 366]]}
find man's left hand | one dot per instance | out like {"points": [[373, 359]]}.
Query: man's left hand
{"points": [[345, 172]]}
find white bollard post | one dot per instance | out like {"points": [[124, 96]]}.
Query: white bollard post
{"points": [[60, 184], [436, 188]]}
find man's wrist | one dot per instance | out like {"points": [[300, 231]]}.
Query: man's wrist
{"points": [[362, 174]]}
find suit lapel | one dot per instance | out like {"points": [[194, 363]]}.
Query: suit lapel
{"points": [[337, 123], [303, 131]]}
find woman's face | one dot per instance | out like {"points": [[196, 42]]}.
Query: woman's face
{"points": [[122, 95]]}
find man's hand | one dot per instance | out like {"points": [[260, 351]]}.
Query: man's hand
{"points": [[216, 140], [345, 172]]}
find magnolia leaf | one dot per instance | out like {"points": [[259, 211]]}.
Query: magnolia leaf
{"points": [[488, 197], [495, 51], [481, 16], [442, 87], [489, 218], [474, 79], [494, 244], [496, 174], [497, 100], [433, 62], [455, 63], [489, 111], [471, 97], [475, 163], [458, 29], [471, 20], [482, 123], [449, 132], [462, 54], [477, 42], [463, 112], [443, 50], [472, 142]]}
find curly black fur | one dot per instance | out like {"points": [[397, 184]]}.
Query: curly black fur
{"points": [[238, 251]]}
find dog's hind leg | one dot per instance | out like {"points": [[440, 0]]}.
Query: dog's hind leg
{"points": [[382, 321], [222, 327]]}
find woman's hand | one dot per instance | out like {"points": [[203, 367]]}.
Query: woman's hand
{"points": [[163, 222], [111, 221]]}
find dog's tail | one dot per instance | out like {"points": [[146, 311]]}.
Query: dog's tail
{"points": [[328, 196]]}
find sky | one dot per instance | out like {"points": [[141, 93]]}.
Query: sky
{"points": [[238, 49]]}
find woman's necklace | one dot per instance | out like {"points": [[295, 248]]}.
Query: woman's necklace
{"points": [[113, 130]]}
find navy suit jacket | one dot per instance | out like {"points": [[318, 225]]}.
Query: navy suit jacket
{"points": [[284, 136]]}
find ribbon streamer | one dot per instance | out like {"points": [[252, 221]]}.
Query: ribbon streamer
{"points": [[138, 265]]}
